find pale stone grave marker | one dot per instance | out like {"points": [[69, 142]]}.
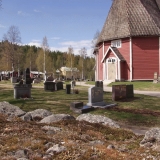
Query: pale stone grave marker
{"points": [[95, 96]]}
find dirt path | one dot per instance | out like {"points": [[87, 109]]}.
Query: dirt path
{"points": [[138, 130]]}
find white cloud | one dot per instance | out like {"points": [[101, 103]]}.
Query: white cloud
{"points": [[63, 46], [36, 43], [62, 49], [1, 26], [37, 11], [22, 13], [77, 44], [55, 38]]}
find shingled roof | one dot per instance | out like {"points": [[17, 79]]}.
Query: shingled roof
{"points": [[128, 18]]}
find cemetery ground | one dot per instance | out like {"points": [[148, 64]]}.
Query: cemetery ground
{"points": [[140, 111]]}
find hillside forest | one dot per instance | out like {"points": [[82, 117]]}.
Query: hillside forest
{"points": [[17, 57]]}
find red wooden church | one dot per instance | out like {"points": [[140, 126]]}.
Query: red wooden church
{"points": [[128, 47]]}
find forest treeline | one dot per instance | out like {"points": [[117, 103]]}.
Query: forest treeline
{"points": [[18, 57]]}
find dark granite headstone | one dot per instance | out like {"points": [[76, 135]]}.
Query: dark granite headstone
{"points": [[78, 107], [49, 86], [96, 83], [59, 85], [28, 79], [99, 84], [118, 92], [129, 91], [68, 88], [122, 91]]}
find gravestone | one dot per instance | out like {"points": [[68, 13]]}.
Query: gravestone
{"points": [[37, 80], [155, 78], [96, 83], [27, 78], [23, 90], [79, 108], [13, 78], [49, 86], [59, 85], [50, 78], [99, 84], [129, 91], [120, 92], [68, 89], [73, 84], [158, 79], [95, 96]]}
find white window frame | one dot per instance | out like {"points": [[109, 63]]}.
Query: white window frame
{"points": [[116, 43], [111, 60]]}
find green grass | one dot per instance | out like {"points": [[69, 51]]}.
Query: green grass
{"points": [[132, 111], [90, 82], [141, 85]]}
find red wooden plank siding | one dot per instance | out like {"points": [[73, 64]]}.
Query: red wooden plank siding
{"points": [[125, 51], [145, 57], [100, 65]]}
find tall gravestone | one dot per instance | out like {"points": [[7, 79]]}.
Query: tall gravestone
{"points": [[23, 90], [13, 78], [95, 96], [28, 79], [99, 84]]}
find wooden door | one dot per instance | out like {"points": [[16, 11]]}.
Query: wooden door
{"points": [[112, 71]]}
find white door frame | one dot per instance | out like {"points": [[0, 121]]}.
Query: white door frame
{"points": [[109, 60]]}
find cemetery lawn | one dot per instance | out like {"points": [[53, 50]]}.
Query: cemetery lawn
{"points": [[138, 85], [139, 111], [141, 85]]}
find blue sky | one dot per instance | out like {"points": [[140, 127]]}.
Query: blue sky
{"points": [[64, 22]]}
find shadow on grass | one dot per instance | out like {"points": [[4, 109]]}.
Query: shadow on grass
{"points": [[129, 99]]}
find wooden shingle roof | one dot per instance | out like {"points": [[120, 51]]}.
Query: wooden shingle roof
{"points": [[129, 18]]}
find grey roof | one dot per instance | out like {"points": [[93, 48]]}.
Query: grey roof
{"points": [[128, 18]]}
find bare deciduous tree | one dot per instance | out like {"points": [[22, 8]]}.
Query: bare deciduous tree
{"points": [[83, 54], [94, 42], [13, 38], [0, 3], [71, 55], [45, 48], [13, 35]]}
